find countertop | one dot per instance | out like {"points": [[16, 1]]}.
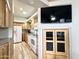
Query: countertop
{"points": [[4, 40]]}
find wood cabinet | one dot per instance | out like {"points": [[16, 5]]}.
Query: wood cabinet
{"points": [[2, 11], [18, 24], [34, 21], [4, 51], [24, 26], [8, 16], [25, 36], [28, 25], [55, 44], [1, 52], [8, 20], [5, 14]]}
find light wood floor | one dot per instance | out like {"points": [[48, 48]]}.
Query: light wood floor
{"points": [[22, 51]]}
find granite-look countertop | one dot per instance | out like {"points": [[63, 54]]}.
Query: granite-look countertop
{"points": [[4, 40]]}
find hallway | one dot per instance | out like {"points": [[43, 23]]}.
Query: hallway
{"points": [[22, 51]]}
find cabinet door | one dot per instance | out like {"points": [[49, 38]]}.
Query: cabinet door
{"points": [[6, 51], [11, 19], [7, 16], [61, 37], [1, 53], [61, 57], [55, 44], [2, 10], [48, 44], [28, 26]]}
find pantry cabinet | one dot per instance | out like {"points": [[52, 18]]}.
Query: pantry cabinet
{"points": [[55, 44], [4, 51], [5, 14]]}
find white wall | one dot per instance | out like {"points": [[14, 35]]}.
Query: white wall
{"points": [[73, 30], [45, 1], [60, 2]]}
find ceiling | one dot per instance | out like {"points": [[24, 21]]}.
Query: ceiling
{"points": [[51, 0], [25, 8], [34, 3]]}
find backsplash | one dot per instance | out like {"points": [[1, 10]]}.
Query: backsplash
{"points": [[5, 33]]}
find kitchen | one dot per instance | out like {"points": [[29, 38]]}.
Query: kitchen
{"points": [[26, 28]]}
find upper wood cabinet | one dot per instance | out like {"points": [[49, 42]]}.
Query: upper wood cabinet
{"points": [[24, 26], [27, 25], [5, 14], [34, 21], [2, 12]]}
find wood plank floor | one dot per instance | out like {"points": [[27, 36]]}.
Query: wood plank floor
{"points": [[22, 51]]}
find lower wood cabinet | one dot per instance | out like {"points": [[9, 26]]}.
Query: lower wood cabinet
{"points": [[1, 52], [55, 44], [4, 51], [25, 36]]}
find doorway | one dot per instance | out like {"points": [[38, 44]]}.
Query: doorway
{"points": [[17, 34]]}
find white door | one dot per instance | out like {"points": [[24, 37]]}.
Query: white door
{"points": [[17, 34]]}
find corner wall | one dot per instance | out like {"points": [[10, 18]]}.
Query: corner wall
{"points": [[73, 30]]}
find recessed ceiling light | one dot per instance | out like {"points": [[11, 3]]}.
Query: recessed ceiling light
{"points": [[21, 9], [24, 12]]}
